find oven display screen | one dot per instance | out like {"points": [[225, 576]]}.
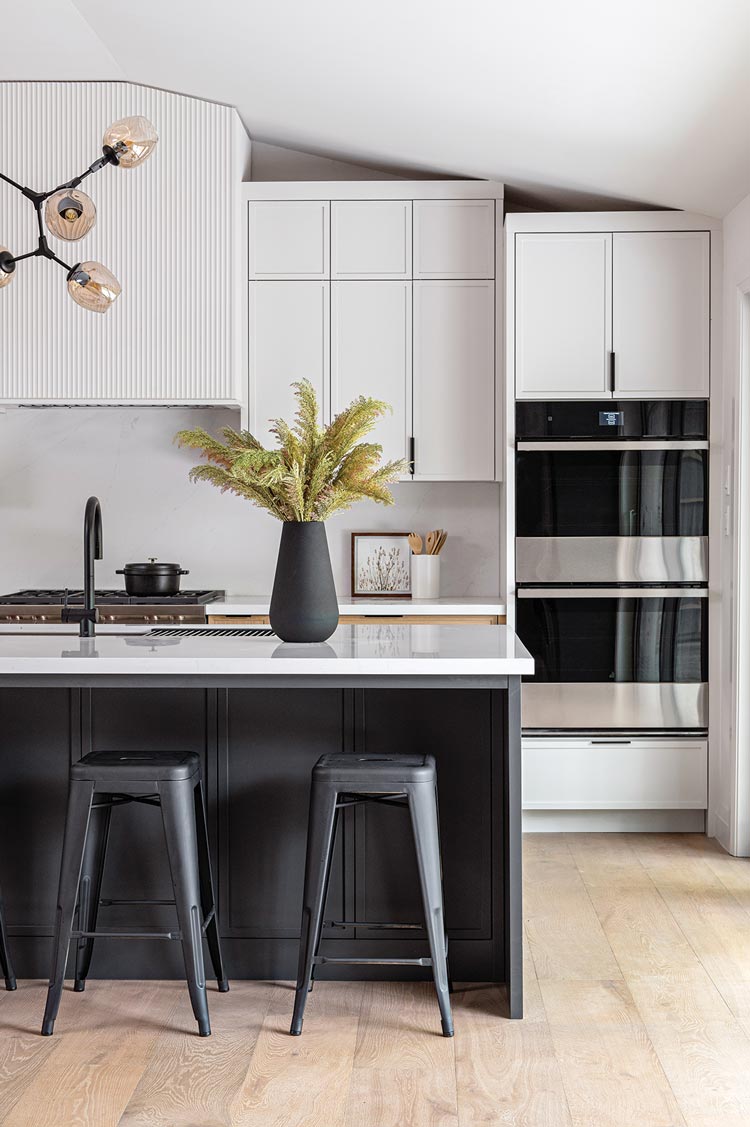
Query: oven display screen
{"points": [[611, 418]]}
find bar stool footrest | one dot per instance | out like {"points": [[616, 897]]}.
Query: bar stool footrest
{"points": [[374, 926], [109, 903], [322, 960], [132, 933]]}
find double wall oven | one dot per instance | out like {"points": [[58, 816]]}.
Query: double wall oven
{"points": [[612, 564]]}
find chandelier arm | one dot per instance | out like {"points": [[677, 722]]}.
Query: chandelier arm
{"points": [[42, 252], [95, 167], [39, 223], [29, 254], [59, 261], [13, 183]]}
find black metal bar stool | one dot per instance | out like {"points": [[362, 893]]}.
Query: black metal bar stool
{"points": [[5, 964], [339, 781], [99, 782]]}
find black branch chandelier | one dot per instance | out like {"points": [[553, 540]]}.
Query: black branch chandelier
{"points": [[70, 214]]}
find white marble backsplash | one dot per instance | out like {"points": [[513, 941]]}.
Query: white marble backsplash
{"points": [[52, 459]]}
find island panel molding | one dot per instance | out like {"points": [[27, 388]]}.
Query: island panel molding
{"points": [[165, 230]]}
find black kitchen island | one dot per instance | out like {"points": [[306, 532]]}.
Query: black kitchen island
{"points": [[260, 714]]}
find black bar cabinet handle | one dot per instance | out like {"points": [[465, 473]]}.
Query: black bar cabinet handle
{"points": [[612, 372], [411, 454]]}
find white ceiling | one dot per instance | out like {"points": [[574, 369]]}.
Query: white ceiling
{"points": [[647, 102]]}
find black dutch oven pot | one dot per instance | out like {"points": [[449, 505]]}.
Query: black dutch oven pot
{"points": [[152, 578]]}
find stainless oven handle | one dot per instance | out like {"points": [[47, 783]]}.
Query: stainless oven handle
{"points": [[612, 592], [654, 444]]}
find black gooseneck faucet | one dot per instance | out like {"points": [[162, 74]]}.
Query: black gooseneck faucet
{"points": [[88, 615], [92, 550]]}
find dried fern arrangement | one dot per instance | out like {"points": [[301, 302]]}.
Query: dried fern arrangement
{"points": [[314, 472]]}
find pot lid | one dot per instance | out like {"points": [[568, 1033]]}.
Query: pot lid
{"points": [[153, 567]]}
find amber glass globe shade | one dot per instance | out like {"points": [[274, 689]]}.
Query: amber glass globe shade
{"points": [[93, 286], [132, 140], [70, 214], [5, 278]]}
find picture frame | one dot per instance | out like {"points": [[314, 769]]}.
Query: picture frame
{"points": [[381, 565]]}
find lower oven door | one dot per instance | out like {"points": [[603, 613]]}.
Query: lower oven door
{"points": [[615, 658]]}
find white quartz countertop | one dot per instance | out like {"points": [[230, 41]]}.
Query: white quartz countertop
{"points": [[259, 604], [388, 650]]}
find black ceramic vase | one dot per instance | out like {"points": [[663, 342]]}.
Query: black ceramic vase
{"points": [[303, 603]]}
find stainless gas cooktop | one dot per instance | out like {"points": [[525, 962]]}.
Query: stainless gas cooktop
{"points": [[39, 604]]}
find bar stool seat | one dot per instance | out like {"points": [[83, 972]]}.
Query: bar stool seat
{"points": [[342, 780], [123, 766], [99, 782]]}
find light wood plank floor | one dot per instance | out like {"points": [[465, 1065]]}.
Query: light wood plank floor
{"points": [[637, 1015]]}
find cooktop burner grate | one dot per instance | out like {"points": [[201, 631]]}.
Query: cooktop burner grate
{"points": [[57, 596]]}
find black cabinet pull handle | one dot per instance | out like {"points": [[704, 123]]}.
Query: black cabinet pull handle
{"points": [[612, 372], [411, 454]]}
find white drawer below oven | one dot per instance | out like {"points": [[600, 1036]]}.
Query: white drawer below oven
{"points": [[597, 773]]}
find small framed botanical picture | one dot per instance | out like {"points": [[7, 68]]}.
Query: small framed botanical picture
{"points": [[381, 565]]}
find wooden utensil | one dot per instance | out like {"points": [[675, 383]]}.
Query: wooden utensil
{"points": [[442, 537], [432, 538], [415, 543]]}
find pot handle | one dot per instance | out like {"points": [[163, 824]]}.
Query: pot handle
{"points": [[184, 571], [120, 571]]}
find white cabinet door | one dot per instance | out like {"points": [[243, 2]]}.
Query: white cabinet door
{"points": [[371, 239], [288, 341], [454, 380], [454, 238], [289, 239], [563, 326], [371, 354], [661, 313]]}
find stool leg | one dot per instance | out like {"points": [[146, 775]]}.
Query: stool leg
{"points": [[74, 842], [5, 964], [90, 885], [423, 810], [178, 815], [321, 828], [208, 900], [442, 891]]}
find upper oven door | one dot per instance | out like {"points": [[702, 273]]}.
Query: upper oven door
{"points": [[620, 511]]}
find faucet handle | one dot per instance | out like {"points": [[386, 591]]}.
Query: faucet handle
{"points": [[79, 614]]}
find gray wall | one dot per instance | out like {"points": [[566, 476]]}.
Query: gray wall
{"points": [[51, 459]]}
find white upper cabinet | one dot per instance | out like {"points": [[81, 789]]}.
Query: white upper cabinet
{"points": [[289, 239], [454, 239], [288, 330], [661, 313], [454, 380], [373, 294], [371, 354], [563, 327], [371, 239], [603, 314]]}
